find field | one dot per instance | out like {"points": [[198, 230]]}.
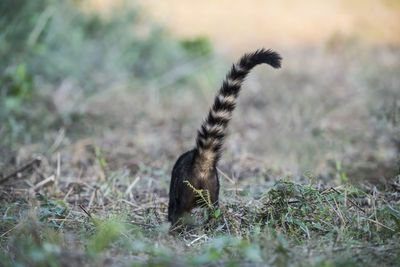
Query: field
{"points": [[95, 109]]}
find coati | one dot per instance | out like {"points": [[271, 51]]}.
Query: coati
{"points": [[198, 166]]}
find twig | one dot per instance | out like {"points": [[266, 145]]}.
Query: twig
{"points": [[333, 189], [58, 171], [336, 211], [227, 226], [128, 190], [63, 221], [85, 211], [68, 193], [233, 189], [44, 182], [92, 198], [380, 224], [340, 213], [58, 140], [9, 230], [177, 225], [351, 201], [129, 203], [226, 176], [197, 239], [355, 205], [36, 162]]}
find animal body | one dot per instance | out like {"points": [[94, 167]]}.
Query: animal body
{"points": [[198, 166]]}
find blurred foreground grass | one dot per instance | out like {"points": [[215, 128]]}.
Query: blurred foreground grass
{"points": [[309, 175]]}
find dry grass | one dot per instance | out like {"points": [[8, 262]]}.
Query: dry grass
{"points": [[104, 198]]}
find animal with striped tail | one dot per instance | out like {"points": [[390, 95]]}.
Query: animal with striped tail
{"points": [[198, 167]]}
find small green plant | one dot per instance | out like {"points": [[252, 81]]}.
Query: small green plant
{"points": [[303, 211], [204, 195], [100, 158], [17, 87], [340, 173], [199, 46], [51, 209], [33, 243], [106, 232]]}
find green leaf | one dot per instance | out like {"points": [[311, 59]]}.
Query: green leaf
{"points": [[217, 213], [103, 162], [20, 73]]}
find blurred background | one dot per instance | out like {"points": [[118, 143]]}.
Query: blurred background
{"points": [[129, 82]]}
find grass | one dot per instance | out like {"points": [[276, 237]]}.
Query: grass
{"points": [[309, 175], [290, 224]]}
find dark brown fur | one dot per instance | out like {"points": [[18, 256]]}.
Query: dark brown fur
{"points": [[198, 166]]}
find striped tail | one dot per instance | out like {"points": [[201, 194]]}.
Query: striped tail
{"points": [[211, 135]]}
